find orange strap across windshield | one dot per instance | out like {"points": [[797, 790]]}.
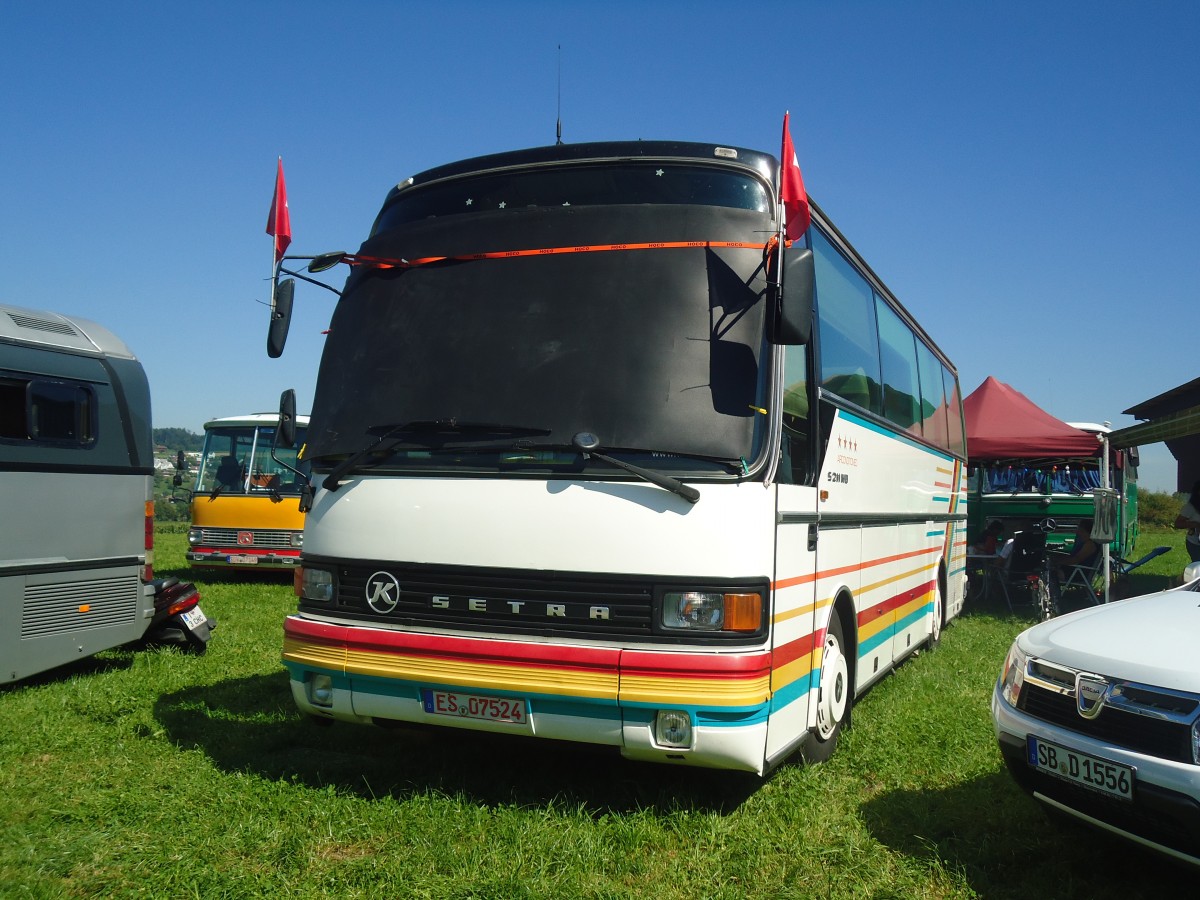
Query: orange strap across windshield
{"points": [[378, 262]]}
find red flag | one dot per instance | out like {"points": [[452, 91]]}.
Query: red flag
{"points": [[279, 222], [796, 214]]}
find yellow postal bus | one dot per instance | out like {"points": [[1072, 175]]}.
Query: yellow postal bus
{"points": [[245, 504]]}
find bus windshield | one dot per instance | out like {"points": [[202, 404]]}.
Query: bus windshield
{"points": [[653, 344], [237, 460]]}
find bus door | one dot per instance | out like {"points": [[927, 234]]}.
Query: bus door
{"points": [[793, 685]]}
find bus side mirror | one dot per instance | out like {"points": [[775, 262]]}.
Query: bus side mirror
{"points": [[281, 317], [793, 313], [286, 434], [180, 461]]}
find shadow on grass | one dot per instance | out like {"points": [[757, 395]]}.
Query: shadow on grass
{"points": [[105, 661], [250, 725], [1006, 845]]}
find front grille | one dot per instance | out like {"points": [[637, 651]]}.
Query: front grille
{"points": [[512, 602], [79, 605], [260, 539], [1144, 719]]}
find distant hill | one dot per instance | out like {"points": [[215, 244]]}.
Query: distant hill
{"points": [[178, 439]]}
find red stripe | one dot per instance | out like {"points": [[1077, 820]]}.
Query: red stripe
{"points": [[855, 567], [453, 648], [893, 603]]}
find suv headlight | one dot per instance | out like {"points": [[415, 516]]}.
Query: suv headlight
{"points": [[712, 611], [1012, 676]]}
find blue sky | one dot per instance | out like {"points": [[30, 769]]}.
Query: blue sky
{"points": [[1025, 176]]}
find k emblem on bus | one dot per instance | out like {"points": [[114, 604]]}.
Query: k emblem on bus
{"points": [[382, 592], [245, 538]]}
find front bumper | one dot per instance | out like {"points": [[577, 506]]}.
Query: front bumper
{"points": [[1164, 813], [230, 559]]}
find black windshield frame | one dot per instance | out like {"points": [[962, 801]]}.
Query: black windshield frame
{"points": [[659, 349]]}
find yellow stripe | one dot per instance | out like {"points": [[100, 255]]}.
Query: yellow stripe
{"points": [[696, 692], [801, 610], [922, 570], [793, 671], [498, 676], [320, 656]]}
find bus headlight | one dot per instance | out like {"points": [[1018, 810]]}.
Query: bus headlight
{"points": [[673, 728], [1012, 676], [320, 689], [316, 584], [712, 611], [297, 539], [194, 537]]}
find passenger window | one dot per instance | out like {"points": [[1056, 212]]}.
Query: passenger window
{"points": [[958, 437], [848, 345], [933, 398], [898, 351], [794, 450], [47, 412]]}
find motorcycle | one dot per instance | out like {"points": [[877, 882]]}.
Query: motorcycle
{"points": [[178, 618]]}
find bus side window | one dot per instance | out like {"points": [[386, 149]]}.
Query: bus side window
{"points": [[848, 339], [898, 352], [794, 449]]}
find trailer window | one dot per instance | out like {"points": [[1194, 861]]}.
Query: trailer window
{"points": [[45, 411]]}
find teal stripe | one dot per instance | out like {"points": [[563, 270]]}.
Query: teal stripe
{"points": [[584, 708], [887, 432]]}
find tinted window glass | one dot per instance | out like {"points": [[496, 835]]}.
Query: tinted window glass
{"points": [[958, 438], [898, 352], [598, 185], [933, 397], [846, 328], [794, 467], [47, 412]]}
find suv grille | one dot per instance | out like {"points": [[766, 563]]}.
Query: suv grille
{"points": [[1152, 721]]}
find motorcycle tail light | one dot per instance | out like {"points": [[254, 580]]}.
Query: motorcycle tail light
{"points": [[179, 598]]}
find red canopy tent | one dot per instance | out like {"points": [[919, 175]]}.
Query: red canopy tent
{"points": [[1003, 424]]}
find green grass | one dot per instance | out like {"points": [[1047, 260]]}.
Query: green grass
{"points": [[149, 773]]}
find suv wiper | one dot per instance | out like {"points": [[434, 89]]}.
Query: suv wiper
{"points": [[586, 443], [427, 429]]}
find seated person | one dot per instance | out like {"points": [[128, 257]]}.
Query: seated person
{"points": [[1083, 553], [990, 539]]}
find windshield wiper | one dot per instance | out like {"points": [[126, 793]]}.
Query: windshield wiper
{"points": [[586, 443], [434, 431]]}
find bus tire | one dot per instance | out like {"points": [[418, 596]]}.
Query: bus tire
{"points": [[833, 695], [939, 617]]}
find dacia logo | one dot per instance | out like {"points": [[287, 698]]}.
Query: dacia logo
{"points": [[382, 592], [1091, 692]]}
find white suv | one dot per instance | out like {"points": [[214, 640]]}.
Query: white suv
{"points": [[1097, 714]]}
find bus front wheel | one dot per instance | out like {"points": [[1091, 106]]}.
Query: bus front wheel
{"points": [[833, 695]]}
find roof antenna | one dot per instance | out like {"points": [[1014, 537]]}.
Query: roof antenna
{"points": [[559, 123]]}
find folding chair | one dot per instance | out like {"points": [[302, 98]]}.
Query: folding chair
{"points": [[1122, 566], [1083, 577]]}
